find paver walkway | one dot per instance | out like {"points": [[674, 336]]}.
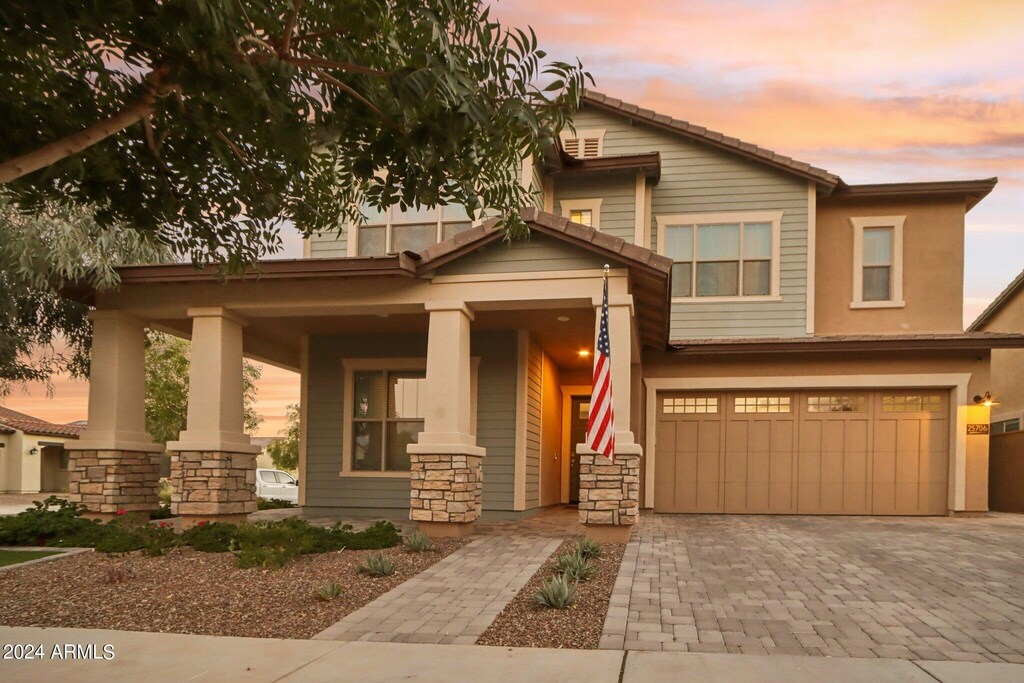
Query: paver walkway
{"points": [[455, 600], [926, 588]]}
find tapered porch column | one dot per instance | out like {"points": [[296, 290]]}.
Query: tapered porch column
{"points": [[446, 477], [115, 465], [213, 463], [610, 490]]}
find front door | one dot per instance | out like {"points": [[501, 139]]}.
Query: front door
{"points": [[577, 434]]}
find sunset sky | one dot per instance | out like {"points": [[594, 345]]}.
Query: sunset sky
{"points": [[872, 91]]}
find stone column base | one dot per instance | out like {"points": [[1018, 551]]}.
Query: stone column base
{"points": [[112, 481], [608, 533], [609, 491], [445, 490], [213, 486]]}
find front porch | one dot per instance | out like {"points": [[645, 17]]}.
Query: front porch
{"points": [[436, 385]]}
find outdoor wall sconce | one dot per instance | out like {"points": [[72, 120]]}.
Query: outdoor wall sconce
{"points": [[33, 451], [985, 400]]}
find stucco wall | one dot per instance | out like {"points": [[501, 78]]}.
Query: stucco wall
{"points": [[933, 268], [1008, 364], [22, 471]]}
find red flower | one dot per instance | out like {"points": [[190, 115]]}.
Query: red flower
{"points": [[203, 523], [122, 512], [163, 524]]}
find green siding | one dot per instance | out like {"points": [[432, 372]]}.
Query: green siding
{"points": [[618, 205], [697, 178], [534, 254], [325, 433]]}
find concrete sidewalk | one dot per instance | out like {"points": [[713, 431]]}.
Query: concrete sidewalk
{"points": [[165, 657]]}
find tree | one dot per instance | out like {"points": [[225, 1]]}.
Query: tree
{"points": [[206, 123], [40, 254], [167, 365], [284, 452]]}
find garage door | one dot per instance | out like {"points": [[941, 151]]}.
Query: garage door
{"points": [[809, 452]]}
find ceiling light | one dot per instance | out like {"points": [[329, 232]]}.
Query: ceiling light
{"points": [[563, 318], [584, 353]]}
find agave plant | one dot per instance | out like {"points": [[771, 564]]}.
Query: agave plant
{"points": [[378, 565], [558, 592], [329, 591], [575, 566], [588, 548], [417, 542]]}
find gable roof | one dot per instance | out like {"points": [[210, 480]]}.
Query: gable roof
{"points": [[12, 420], [650, 273], [972, 191], [701, 134], [997, 303]]}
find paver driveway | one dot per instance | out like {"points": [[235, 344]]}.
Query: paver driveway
{"points": [[924, 588]]}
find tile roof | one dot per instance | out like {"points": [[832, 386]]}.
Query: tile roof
{"points": [[716, 139], [12, 420], [852, 342], [998, 302]]}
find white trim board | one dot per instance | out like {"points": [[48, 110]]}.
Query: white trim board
{"points": [[955, 382]]}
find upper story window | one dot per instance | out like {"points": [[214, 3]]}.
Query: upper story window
{"points": [[722, 255], [394, 231], [877, 262], [583, 211], [584, 143]]}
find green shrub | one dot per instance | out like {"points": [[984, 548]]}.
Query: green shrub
{"points": [[417, 542], [588, 548], [48, 522], [378, 536], [165, 492], [329, 591], [378, 565], [210, 538], [273, 504], [574, 566], [162, 512], [558, 592]]}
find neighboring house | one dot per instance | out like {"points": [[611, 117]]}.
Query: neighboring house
{"points": [[782, 342], [1006, 314], [32, 453], [263, 459]]}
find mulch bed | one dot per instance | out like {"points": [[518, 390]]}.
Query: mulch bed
{"points": [[187, 591], [524, 623]]}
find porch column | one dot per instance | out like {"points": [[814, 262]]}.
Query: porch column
{"points": [[610, 490], [213, 463], [446, 476], [115, 465]]}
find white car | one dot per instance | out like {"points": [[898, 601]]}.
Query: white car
{"points": [[277, 485]]}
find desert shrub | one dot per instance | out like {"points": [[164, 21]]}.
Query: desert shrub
{"points": [[48, 522], [209, 538], [574, 566], [273, 504], [165, 492], [588, 548], [329, 591], [417, 542], [162, 512], [378, 536], [558, 592], [120, 542], [378, 565], [118, 574]]}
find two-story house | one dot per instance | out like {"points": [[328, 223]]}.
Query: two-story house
{"points": [[782, 342]]}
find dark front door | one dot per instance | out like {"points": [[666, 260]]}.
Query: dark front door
{"points": [[577, 434]]}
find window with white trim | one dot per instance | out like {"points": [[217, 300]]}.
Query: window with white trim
{"points": [[583, 211], [761, 404], [1004, 426], [877, 262], [387, 416], [836, 404], [691, 405], [393, 231], [911, 403], [722, 255], [583, 144]]}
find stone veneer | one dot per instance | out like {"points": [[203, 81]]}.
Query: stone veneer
{"points": [[445, 488], [213, 483], [609, 491], [107, 482]]}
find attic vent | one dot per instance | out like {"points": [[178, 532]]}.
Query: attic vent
{"points": [[585, 144]]}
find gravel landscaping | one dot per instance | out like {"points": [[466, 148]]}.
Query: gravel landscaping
{"points": [[187, 591], [523, 623]]}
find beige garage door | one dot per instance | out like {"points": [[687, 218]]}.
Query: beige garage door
{"points": [[808, 452]]}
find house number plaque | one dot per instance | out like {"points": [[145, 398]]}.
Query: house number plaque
{"points": [[977, 429]]}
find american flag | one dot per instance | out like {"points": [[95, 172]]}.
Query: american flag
{"points": [[601, 423]]}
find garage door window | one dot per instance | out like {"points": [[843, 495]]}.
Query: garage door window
{"points": [[762, 404], [692, 404], [911, 403], [836, 404]]}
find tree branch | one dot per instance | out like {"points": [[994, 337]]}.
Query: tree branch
{"points": [[289, 26], [320, 34], [331, 80], [73, 144], [320, 63]]}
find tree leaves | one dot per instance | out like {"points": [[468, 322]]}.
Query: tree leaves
{"points": [[272, 115]]}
